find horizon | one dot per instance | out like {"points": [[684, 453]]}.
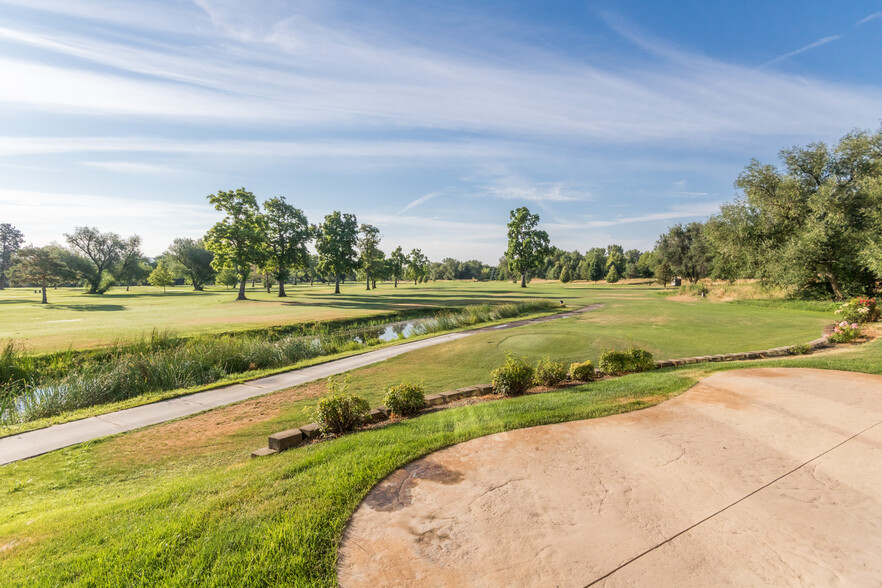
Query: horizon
{"points": [[430, 122]]}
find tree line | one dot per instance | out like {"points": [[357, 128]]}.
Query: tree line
{"points": [[814, 224]]}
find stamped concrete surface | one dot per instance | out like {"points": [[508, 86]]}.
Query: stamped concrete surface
{"points": [[754, 477]]}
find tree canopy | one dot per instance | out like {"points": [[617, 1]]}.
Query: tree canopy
{"points": [[288, 233], [11, 240], [369, 252], [527, 245], [42, 266], [193, 260], [101, 253], [813, 223], [239, 240], [336, 239]]}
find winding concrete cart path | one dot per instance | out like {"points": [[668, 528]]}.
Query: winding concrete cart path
{"points": [[33, 443], [756, 477]]}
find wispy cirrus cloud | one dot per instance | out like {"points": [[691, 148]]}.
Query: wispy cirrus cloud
{"points": [[300, 71], [675, 213], [867, 19], [420, 200], [819, 43]]}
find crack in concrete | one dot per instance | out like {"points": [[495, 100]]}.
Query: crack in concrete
{"points": [[725, 508]]}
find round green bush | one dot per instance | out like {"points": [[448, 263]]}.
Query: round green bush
{"points": [[633, 359], [549, 373], [584, 372], [340, 412], [405, 399], [512, 378]]}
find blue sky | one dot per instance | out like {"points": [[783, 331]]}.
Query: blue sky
{"points": [[431, 120]]}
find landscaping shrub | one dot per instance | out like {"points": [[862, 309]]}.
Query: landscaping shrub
{"points": [[584, 372], [845, 332], [549, 373], [633, 359], [405, 399], [340, 412], [801, 349], [512, 378], [859, 310]]}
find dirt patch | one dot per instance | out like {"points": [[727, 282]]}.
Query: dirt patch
{"points": [[683, 298], [207, 432]]}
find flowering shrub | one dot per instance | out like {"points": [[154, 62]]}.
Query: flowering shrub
{"points": [[859, 310], [845, 332]]}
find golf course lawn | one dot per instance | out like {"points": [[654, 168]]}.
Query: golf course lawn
{"points": [[75, 319], [181, 503]]}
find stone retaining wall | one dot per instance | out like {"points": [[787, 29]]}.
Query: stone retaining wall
{"points": [[284, 440]]}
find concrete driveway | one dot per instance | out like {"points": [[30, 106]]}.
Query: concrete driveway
{"points": [[752, 478]]}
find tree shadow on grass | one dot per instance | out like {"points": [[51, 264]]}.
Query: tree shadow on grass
{"points": [[86, 307]]}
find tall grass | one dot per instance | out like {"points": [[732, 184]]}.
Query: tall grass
{"points": [[481, 313], [162, 361]]}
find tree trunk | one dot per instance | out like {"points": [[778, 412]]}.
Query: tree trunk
{"points": [[127, 287], [44, 301], [524, 280], [374, 284], [253, 282], [396, 282], [198, 288], [367, 281], [336, 283], [241, 295], [414, 281], [834, 283], [282, 289]]}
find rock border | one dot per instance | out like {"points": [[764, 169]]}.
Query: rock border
{"points": [[284, 440]]}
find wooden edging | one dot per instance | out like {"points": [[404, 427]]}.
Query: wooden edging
{"points": [[284, 440]]}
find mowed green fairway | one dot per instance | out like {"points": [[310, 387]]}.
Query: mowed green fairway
{"points": [[668, 327], [75, 319]]}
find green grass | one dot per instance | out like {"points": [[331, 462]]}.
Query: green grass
{"points": [[181, 503], [123, 511], [78, 320]]}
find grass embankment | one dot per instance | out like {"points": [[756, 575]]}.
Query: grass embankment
{"points": [[137, 509], [164, 362]]}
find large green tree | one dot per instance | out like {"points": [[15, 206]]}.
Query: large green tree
{"points": [[239, 240], [809, 223], [42, 266], [417, 266], [131, 267], [686, 251], [161, 277], [397, 263], [101, 253], [11, 240], [527, 245], [336, 239], [369, 251], [193, 260], [288, 233]]}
